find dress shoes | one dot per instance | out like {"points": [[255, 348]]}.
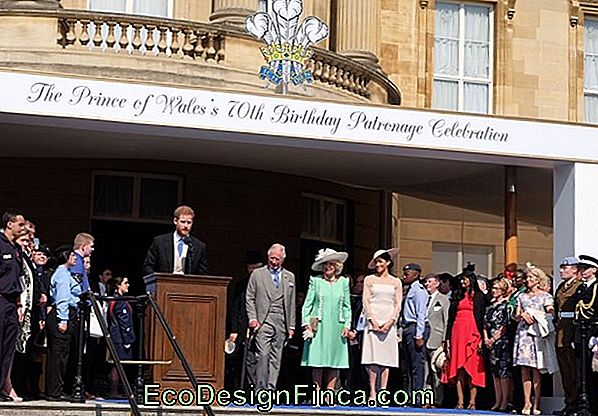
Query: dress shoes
{"points": [[5, 397], [61, 398]]}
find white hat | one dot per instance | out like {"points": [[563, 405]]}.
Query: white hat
{"points": [[392, 252], [438, 359], [229, 346], [326, 255]]}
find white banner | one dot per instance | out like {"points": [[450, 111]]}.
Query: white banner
{"points": [[166, 106]]}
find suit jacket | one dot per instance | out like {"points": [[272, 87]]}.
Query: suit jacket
{"points": [[258, 296], [564, 301], [238, 313], [160, 256], [438, 309]]}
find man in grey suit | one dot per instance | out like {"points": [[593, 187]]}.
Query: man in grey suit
{"points": [[438, 306], [270, 302]]}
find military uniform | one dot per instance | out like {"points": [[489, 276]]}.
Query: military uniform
{"points": [[586, 309], [564, 303]]}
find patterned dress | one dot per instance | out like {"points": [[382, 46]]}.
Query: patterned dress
{"points": [[524, 353], [497, 316]]}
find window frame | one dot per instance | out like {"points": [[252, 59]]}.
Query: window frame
{"points": [[592, 92], [460, 77], [136, 205], [129, 9], [320, 236]]}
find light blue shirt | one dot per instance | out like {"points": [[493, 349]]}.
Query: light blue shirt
{"points": [[65, 291], [415, 308]]}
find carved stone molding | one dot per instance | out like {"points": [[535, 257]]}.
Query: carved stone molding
{"points": [[511, 9], [574, 11], [31, 4], [423, 4]]}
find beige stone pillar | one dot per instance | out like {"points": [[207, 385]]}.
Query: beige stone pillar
{"points": [[232, 11], [358, 23], [30, 4]]}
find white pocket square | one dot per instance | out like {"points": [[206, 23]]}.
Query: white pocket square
{"points": [[291, 284]]}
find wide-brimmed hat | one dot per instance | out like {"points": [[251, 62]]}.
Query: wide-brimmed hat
{"points": [[327, 254], [392, 252], [438, 359]]}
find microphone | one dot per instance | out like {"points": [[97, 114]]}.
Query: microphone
{"points": [[187, 240]]}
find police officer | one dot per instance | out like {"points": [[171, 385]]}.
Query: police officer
{"points": [[586, 310], [564, 305], [10, 290]]}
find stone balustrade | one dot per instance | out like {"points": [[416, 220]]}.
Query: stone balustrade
{"points": [[151, 37]]}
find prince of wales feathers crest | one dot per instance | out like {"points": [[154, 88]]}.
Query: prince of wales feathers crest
{"points": [[288, 43]]}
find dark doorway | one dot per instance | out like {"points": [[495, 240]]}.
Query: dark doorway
{"points": [[122, 247]]}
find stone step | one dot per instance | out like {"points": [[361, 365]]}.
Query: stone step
{"points": [[106, 408]]}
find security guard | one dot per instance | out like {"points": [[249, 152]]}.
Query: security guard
{"points": [[586, 309], [564, 305], [10, 290]]}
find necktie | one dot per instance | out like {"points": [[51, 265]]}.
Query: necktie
{"points": [[276, 278], [180, 247]]}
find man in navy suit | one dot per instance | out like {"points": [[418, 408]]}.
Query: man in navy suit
{"points": [[177, 252]]}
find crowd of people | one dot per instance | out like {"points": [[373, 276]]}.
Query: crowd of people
{"points": [[40, 295], [451, 334]]}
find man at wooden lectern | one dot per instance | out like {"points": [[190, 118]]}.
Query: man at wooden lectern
{"points": [[178, 252], [270, 303]]}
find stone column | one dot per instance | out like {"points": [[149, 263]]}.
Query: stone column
{"points": [[30, 4], [232, 12], [358, 23]]}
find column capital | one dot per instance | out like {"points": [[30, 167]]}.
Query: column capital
{"points": [[30, 4], [233, 16]]}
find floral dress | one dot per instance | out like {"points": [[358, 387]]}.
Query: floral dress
{"points": [[497, 316], [524, 352]]}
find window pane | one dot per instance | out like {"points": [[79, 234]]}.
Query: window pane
{"points": [[311, 217], [591, 108], [480, 256], [446, 95], [151, 8], [475, 98], [159, 198], [333, 221], [112, 196], [445, 258], [591, 54], [477, 42], [446, 42], [118, 6]]}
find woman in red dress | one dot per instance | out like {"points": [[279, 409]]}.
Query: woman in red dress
{"points": [[463, 340]]}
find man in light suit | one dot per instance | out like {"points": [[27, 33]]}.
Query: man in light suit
{"points": [[438, 306], [177, 252], [270, 303]]}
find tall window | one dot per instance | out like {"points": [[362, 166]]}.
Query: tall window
{"points": [[135, 196], [324, 219], [463, 57], [591, 71], [161, 8]]}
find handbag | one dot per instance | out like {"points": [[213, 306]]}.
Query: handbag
{"points": [[95, 330]]}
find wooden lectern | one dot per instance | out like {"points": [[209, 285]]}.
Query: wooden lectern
{"points": [[195, 309]]}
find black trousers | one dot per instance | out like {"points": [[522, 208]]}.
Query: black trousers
{"points": [[59, 346], [9, 329]]}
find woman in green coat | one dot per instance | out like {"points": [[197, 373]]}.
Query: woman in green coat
{"points": [[326, 318]]}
